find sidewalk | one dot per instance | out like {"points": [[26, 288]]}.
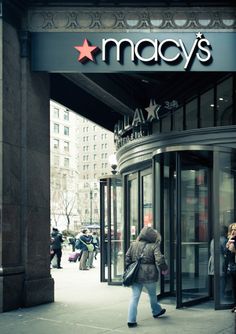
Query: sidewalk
{"points": [[83, 305]]}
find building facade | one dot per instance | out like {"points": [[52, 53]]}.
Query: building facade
{"points": [[80, 151], [162, 77]]}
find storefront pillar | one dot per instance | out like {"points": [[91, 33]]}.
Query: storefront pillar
{"points": [[25, 278]]}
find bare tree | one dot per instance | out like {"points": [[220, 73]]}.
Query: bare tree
{"points": [[68, 202]]}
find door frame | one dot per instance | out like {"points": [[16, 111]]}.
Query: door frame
{"points": [[213, 220]]}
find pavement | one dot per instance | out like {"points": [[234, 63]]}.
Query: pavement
{"points": [[83, 305]]}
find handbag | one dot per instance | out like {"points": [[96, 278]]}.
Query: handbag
{"points": [[89, 246], [231, 268], [131, 271]]}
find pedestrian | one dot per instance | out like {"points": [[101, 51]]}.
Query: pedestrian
{"points": [[148, 244], [96, 244], [91, 252], [56, 246], [231, 259], [83, 240], [71, 241], [211, 262]]}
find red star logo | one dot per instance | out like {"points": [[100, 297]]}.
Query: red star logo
{"points": [[86, 51]]}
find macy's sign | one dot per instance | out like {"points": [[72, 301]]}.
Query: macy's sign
{"points": [[150, 51]]}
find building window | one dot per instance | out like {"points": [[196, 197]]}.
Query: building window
{"points": [[66, 162], [66, 131], [95, 137], [56, 128], [192, 114], [207, 109], [55, 143], [66, 146], [166, 123], [104, 135], [225, 102], [56, 160], [56, 113], [66, 115], [94, 156], [178, 119]]}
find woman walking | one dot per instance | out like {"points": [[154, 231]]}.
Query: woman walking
{"points": [[147, 244], [231, 259]]}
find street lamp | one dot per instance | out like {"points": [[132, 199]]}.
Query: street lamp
{"points": [[113, 163], [91, 206]]}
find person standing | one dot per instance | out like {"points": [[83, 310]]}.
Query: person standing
{"points": [[148, 244], [231, 258], [96, 244], [84, 239], [56, 246]]}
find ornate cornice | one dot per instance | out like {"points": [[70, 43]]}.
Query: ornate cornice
{"points": [[73, 19]]}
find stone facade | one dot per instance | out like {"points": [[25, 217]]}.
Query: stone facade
{"points": [[25, 278], [24, 191], [124, 19]]}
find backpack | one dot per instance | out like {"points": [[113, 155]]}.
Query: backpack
{"points": [[78, 244]]}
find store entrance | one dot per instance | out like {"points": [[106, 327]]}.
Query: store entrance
{"points": [[193, 196]]}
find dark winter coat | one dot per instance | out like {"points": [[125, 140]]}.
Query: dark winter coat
{"points": [[82, 241], [57, 240], [152, 259]]}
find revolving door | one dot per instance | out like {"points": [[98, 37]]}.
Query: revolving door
{"points": [[194, 202]]}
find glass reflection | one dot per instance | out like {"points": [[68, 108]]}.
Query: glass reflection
{"points": [[147, 200], [227, 179], [133, 208], [194, 233], [117, 232]]}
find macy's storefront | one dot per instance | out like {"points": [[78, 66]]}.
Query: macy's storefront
{"points": [[163, 79]]}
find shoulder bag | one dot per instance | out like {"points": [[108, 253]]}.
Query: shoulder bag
{"points": [[132, 270], [231, 269], [89, 246]]}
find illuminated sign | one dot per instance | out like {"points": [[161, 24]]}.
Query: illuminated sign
{"points": [[158, 50], [91, 52]]}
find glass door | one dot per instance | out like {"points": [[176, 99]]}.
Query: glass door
{"points": [[112, 230], [103, 230], [194, 179], [132, 207], [183, 215], [195, 198], [224, 216], [116, 232]]}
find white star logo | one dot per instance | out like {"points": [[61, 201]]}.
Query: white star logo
{"points": [[199, 35], [153, 110]]}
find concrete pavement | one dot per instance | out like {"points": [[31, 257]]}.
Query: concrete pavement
{"points": [[83, 305]]}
